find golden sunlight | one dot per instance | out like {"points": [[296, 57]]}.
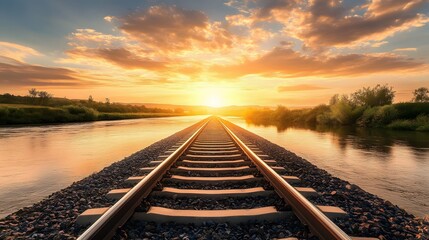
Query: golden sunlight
{"points": [[214, 101]]}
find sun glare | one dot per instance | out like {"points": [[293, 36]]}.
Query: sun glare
{"points": [[214, 101]]}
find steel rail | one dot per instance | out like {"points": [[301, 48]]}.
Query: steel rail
{"points": [[318, 223], [106, 226]]}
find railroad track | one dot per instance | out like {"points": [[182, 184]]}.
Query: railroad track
{"points": [[212, 176]]}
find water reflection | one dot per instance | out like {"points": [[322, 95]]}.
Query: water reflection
{"points": [[391, 164], [370, 139], [36, 161]]}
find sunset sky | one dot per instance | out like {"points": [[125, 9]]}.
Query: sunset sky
{"points": [[254, 52]]}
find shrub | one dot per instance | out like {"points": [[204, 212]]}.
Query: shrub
{"points": [[378, 116], [421, 123], [411, 110], [326, 118], [376, 96], [81, 113], [421, 95], [345, 112]]}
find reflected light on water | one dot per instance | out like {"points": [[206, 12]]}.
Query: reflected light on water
{"points": [[36, 161], [391, 164]]}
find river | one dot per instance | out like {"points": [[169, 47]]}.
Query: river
{"points": [[391, 164], [39, 160]]}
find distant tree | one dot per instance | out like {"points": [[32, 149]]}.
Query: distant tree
{"points": [[108, 101], [334, 99], [421, 95], [371, 97], [90, 99], [32, 93], [44, 97]]}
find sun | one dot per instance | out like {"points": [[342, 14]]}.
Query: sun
{"points": [[214, 100]]}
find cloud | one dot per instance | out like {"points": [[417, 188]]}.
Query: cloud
{"points": [[268, 8], [91, 38], [170, 28], [405, 50], [16, 73], [118, 56], [17, 51], [285, 62], [108, 18], [331, 23], [300, 87]]}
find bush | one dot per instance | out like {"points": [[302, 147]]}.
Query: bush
{"points": [[312, 115], [378, 116], [376, 96], [421, 123], [345, 113], [4, 113], [326, 118], [411, 110], [81, 113]]}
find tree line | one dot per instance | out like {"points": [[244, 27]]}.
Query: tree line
{"points": [[366, 107], [44, 98]]}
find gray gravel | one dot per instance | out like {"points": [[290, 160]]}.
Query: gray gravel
{"points": [[210, 230], [216, 185], [216, 204]]}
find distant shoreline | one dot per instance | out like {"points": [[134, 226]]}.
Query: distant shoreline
{"points": [[19, 115]]}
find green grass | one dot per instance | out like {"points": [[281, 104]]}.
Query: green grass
{"points": [[11, 114], [12, 105]]}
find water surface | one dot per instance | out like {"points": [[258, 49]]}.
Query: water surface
{"points": [[39, 160], [391, 164]]}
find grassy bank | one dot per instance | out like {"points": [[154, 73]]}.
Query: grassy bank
{"points": [[399, 116], [32, 114]]}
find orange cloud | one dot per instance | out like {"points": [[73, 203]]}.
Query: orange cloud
{"points": [[301, 87], [267, 9], [17, 51], [120, 57], [285, 62], [170, 28], [15, 73], [330, 23]]}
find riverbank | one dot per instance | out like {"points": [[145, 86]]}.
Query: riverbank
{"points": [[398, 116], [369, 215], [21, 114]]}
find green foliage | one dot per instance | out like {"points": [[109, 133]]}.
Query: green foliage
{"points": [[326, 118], [411, 110], [421, 123], [378, 116], [345, 112], [71, 113], [43, 98], [371, 97], [368, 107], [421, 95], [82, 113], [311, 117]]}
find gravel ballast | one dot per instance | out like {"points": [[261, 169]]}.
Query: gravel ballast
{"points": [[369, 215]]}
